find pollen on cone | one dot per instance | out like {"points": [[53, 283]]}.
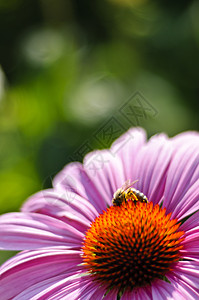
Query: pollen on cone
{"points": [[132, 244]]}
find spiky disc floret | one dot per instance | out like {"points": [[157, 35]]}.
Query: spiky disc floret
{"points": [[130, 245]]}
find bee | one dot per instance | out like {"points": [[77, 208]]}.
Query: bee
{"points": [[126, 192]]}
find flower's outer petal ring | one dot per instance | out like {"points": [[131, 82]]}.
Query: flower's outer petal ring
{"points": [[191, 223], [107, 173], [189, 203], [21, 231], [138, 294], [36, 267], [188, 292], [74, 178], [185, 138], [82, 288], [112, 295], [182, 175], [64, 286], [127, 148], [72, 209], [162, 290], [187, 271], [185, 279], [151, 167], [190, 244]]}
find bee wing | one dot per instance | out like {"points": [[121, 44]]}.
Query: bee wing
{"points": [[128, 184]]}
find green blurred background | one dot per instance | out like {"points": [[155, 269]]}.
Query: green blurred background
{"points": [[69, 68]]}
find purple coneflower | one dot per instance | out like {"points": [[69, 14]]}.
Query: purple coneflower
{"points": [[78, 245]]}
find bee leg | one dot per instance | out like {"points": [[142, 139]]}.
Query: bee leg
{"points": [[131, 195]]}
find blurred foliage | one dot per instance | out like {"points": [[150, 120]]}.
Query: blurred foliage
{"points": [[67, 67]]}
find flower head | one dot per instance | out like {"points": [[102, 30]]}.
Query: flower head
{"points": [[91, 237], [131, 245]]}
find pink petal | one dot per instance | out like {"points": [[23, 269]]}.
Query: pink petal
{"points": [[93, 290], [188, 271], [189, 203], [112, 295], [191, 242], [74, 178], [138, 294], [127, 148], [78, 212], [35, 290], [184, 289], [182, 174], [191, 223], [84, 290], [151, 167], [106, 171], [188, 137], [185, 279], [162, 290], [21, 231], [71, 287], [31, 267], [191, 245]]}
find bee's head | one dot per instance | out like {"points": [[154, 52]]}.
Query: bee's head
{"points": [[117, 194]]}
